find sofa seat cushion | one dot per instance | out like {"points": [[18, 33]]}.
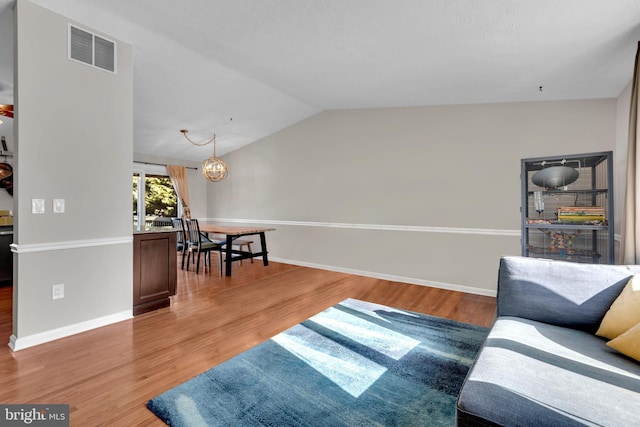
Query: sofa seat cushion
{"points": [[530, 373]]}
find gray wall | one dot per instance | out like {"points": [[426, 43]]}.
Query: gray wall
{"points": [[80, 151], [426, 195]]}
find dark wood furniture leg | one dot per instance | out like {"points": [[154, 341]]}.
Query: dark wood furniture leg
{"points": [[228, 260], [263, 243]]}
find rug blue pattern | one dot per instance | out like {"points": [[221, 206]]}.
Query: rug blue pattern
{"points": [[354, 364]]}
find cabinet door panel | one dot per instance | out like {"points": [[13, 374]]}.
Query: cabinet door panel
{"points": [[155, 271]]}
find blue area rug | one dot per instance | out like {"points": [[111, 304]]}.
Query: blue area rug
{"points": [[354, 364]]}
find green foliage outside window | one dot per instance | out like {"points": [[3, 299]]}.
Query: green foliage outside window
{"points": [[135, 193], [160, 199], [160, 196]]}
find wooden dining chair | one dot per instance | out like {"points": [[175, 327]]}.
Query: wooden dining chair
{"points": [[196, 243], [182, 246]]}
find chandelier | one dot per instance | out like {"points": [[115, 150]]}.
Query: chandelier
{"points": [[214, 169], [7, 111]]}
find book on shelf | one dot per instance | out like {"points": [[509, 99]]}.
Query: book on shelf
{"points": [[580, 213]]}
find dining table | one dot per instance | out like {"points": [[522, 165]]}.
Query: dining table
{"points": [[231, 233]]}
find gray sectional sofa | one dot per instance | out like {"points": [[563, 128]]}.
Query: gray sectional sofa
{"points": [[541, 364]]}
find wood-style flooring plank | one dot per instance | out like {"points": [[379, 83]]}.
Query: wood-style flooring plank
{"points": [[108, 374]]}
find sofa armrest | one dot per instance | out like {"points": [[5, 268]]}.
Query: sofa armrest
{"points": [[558, 292]]}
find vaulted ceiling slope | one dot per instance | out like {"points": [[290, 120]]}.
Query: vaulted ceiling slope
{"points": [[269, 64]]}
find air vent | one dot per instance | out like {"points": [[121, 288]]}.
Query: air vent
{"points": [[81, 45], [91, 49], [104, 53]]}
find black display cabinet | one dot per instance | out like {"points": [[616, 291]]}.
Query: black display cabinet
{"points": [[567, 207]]}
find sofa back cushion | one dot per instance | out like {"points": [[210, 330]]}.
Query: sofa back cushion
{"points": [[558, 292]]}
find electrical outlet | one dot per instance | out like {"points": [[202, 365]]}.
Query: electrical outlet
{"points": [[57, 291]]}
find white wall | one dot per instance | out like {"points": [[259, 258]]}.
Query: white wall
{"points": [[427, 195], [73, 137]]}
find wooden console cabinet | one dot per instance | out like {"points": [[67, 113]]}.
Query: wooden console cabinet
{"points": [[154, 270]]}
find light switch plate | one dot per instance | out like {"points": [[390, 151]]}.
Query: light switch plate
{"points": [[57, 291], [37, 206], [58, 205]]}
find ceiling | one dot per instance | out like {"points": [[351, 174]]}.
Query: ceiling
{"points": [[245, 69]]}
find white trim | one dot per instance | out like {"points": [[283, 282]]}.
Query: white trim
{"points": [[70, 244], [390, 277], [387, 227], [16, 343]]}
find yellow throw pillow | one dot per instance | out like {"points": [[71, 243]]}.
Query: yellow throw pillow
{"points": [[624, 313], [628, 343]]}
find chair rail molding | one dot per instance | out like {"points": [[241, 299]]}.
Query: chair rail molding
{"points": [[386, 227], [70, 244]]}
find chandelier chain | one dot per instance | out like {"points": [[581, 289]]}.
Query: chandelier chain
{"points": [[213, 139]]}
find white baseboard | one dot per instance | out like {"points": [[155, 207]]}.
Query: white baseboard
{"points": [[394, 278], [21, 343]]}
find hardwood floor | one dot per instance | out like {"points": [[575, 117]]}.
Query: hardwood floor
{"points": [[106, 375]]}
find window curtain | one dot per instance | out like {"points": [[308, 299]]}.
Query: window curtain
{"points": [[630, 232], [178, 175]]}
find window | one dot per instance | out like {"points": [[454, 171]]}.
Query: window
{"points": [[154, 199]]}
